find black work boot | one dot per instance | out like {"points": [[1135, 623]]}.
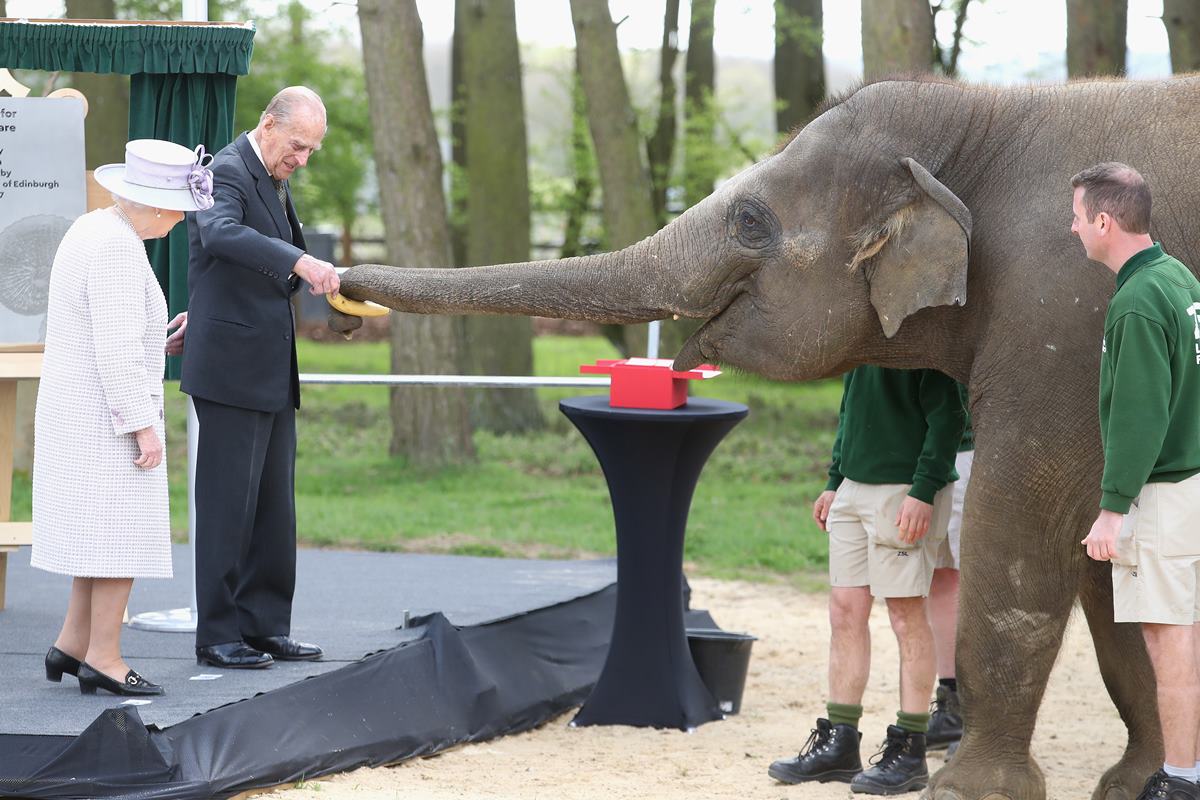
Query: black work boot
{"points": [[1162, 786], [945, 720], [830, 754], [898, 767]]}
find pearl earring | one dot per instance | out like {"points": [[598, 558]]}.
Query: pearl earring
{"points": [[158, 212]]}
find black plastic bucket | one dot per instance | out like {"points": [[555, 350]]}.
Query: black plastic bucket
{"points": [[722, 658]]}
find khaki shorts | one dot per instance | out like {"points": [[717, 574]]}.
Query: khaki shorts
{"points": [[948, 553], [1157, 566], [864, 542]]}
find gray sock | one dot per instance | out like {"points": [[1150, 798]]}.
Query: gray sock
{"points": [[1187, 773]]}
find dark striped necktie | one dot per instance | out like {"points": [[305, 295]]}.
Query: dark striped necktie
{"points": [[281, 193]]}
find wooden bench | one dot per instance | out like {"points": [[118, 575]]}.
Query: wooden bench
{"points": [[14, 366]]}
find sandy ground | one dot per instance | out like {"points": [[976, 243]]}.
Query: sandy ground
{"points": [[785, 691]]}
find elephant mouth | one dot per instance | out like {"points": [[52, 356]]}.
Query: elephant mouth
{"points": [[704, 346]]}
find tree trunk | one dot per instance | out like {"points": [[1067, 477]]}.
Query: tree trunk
{"points": [[799, 65], [628, 214], [1182, 18], [948, 59], [1096, 37], [661, 146], [699, 154], [699, 165], [458, 140], [106, 128], [296, 14], [429, 425], [348, 243], [497, 205], [897, 36], [583, 168], [624, 180]]}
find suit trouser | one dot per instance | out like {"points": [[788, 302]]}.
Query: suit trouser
{"points": [[245, 522]]}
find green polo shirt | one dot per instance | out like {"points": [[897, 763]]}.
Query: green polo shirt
{"points": [[898, 426], [1150, 378]]}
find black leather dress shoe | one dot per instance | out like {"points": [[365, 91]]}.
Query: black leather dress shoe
{"points": [[58, 662], [285, 648], [233, 655], [134, 685]]}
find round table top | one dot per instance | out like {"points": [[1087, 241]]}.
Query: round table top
{"points": [[696, 408]]}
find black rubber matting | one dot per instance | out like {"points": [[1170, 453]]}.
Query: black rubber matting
{"points": [[499, 646]]}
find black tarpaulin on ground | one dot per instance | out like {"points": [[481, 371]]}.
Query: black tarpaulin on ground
{"points": [[446, 687]]}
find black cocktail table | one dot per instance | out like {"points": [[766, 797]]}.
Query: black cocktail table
{"points": [[651, 460]]}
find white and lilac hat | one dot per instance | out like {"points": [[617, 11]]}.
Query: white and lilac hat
{"points": [[161, 175]]}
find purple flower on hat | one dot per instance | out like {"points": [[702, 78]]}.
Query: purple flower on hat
{"points": [[200, 179]]}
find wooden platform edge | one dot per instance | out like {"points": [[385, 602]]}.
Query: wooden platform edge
{"points": [[20, 366], [16, 534]]}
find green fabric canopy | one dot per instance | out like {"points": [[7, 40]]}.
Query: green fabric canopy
{"points": [[182, 88], [190, 110], [126, 48]]}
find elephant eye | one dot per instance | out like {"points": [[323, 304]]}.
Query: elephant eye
{"points": [[752, 223]]}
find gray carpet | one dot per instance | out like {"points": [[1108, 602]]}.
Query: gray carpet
{"points": [[350, 603]]}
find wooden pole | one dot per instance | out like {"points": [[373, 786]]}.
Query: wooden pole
{"points": [[13, 367]]}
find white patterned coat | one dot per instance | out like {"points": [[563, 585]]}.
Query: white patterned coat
{"points": [[95, 514]]}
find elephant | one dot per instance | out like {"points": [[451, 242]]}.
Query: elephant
{"points": [[920, 222]]}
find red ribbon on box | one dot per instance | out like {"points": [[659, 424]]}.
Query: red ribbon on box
{"points": [[647, 382]]}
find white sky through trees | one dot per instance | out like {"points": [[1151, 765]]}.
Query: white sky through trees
{"points": [[1010, 41]]}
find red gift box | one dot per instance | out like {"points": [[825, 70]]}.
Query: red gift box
{"points": [[647, 382]]}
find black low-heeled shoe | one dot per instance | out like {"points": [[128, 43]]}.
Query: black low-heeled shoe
{"points": [[134, 685], [58, 662]]}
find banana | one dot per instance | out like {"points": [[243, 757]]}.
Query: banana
{"points": [[356, 308]]}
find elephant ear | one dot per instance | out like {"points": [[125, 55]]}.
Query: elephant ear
{"points": [[918, 257]]}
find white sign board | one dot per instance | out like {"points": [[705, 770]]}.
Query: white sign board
{"points": [[42, 191]]}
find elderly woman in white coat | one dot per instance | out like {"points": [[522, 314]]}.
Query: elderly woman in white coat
{"points": [[99, 483]]}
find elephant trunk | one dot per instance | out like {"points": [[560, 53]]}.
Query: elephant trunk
{"points": [[637, 284]]}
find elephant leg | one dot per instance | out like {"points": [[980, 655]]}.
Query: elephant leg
{"points": [[1014, 603], [1129, 678]]}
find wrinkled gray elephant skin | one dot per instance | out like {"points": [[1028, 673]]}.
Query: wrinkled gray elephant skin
{"points": [[924, 224]]}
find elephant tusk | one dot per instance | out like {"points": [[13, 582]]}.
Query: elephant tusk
{"points": [[356, 308]]}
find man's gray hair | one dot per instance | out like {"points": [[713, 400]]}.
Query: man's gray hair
{"points": [[1118, 190], [287, 102]]}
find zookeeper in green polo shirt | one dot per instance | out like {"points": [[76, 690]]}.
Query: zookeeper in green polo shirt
{"points": [[1150, 428], [886, 508]]}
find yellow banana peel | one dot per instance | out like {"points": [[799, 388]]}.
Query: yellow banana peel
{"points": [[356, 308]]}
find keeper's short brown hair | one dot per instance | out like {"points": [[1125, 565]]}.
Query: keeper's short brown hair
{"points": [[1118, 190]]}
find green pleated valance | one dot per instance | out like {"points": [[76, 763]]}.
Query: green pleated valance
{"points": [[127, 49]]}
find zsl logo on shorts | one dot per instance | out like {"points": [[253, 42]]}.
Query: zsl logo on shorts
{"points": [[901, 554]]}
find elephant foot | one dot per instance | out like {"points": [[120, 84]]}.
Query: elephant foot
{"points": [[1126, 778], [976, 775]]}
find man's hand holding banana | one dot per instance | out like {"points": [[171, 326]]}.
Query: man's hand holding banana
{"points": [[321, 275]]}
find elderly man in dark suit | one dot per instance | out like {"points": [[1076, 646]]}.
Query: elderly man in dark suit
{"points": [[247, 258]]}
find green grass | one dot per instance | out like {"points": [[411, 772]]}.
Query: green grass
{"points": [[543, 494]]}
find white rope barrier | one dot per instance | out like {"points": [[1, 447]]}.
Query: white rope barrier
{"points": [[183, 620], [475, 381]]}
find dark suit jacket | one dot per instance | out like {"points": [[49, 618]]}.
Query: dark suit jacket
{"points": [[240, 346]]}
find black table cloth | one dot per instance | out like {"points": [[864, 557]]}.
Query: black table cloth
{"points": [[651, 460]]}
